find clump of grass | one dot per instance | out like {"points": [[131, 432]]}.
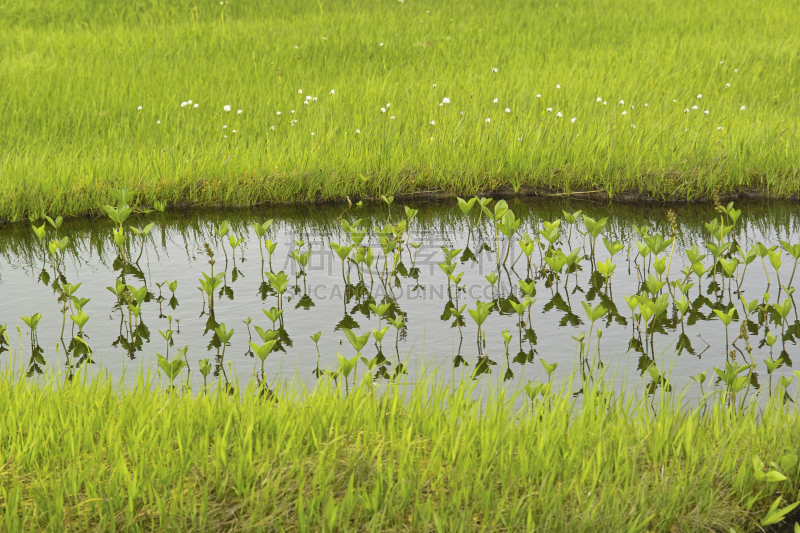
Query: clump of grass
{"points": [[475, 96], [88, 455]]}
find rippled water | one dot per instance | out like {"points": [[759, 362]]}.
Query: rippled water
{"points": [[319, 301]]}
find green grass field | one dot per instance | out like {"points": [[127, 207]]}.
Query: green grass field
{"points": [[75, 73], [92, 456]]}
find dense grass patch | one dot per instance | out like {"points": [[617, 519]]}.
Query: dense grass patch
{"points": [[75, 73], [89, 455]]}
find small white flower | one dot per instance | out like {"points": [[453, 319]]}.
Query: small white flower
{"points": [[196, 106], [559, 115], [158, 122], [494, 101], [599, 99], [312, 133], [189, 102], [538, 96], [333, 91], [381, 44], [391, 118], [434, 85], [632, 107], [624, 113], [736, 70], [234, 131], [139, 108], [277, 112], [224, 136], [558, 86], [224, 126], [183, 104], [508, 110], [621, 102], [705, 112], [699, 96], [239, 112], [388, 106], [272, 128], [431, 138], [549, 109], [573, 119], [720, 62], [445, 100], [645, 105], [488, 120], [605, 103], [719, 128], [462, 113], [314, 99], [695, 107], [383, 110], [519, 139], [292, 111], [727, 85], [685, 111], [494, 69], [433, 122], [227, 108], [674, 101], [308, 98], [440, 104], [633, 126], [299, 91], [358, 132], [741, 108], [305, 103]]}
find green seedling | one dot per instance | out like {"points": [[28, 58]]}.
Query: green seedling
{"points": [[410, 213], [279, 282], [224, 335], [315, 337], [343, 252], [205, 369], [613, 247], [208, 284], [273, 314], [465, 206], [480, 314], [358, 342], [118, 215], [32, 322], [56, 224], [171, 368], [594, 228], [727, 318], [270, 246], [506, 339], [346, 366], [143, 234], [594, 314], [261, 231], [700, 379], [606, 269], [262, 351], [234, 243], [80, 320]]}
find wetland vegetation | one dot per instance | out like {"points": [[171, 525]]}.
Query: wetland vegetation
{"points": [[578, 367], [386, 335], [244, 102]]}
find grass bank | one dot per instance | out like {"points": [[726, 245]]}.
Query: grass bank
{"points": [[89, 455], [522, 81]]}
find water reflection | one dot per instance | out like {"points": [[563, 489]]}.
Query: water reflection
{"points": [[489, 292]]}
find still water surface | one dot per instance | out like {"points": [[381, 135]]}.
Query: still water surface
{"points": [[318, 300]]}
